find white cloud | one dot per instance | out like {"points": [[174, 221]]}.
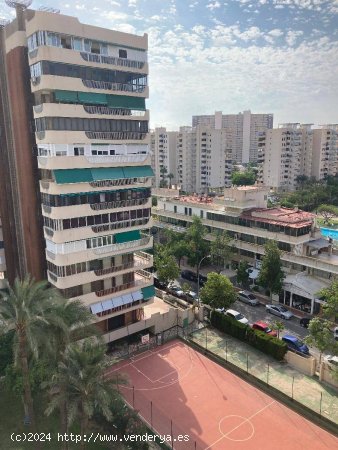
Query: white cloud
{"points": [[213, 6], [292, 36]]}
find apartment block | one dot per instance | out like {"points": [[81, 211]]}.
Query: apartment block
{"points": [[164, 156], [294, 150], [76, 163], [309, 261], [245, 128]]}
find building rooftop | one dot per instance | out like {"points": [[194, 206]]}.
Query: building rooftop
{"points": [[292, 218]]}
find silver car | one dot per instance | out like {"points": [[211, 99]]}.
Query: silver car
{"points": [[247, 297], [280, 311], [236, 315]]}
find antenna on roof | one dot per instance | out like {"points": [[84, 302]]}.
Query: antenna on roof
{"points": [[49, 9], [23, 4], [3, 23]]}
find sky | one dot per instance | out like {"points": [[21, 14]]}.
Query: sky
{"points": [[269, 56]]}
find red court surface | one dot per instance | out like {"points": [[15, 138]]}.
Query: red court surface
{"points": [[180, 391]]}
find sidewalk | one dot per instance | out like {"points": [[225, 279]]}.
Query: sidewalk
{"points": [[307, 390]]}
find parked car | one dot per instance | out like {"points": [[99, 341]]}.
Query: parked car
{"points": [[331, 361], [262, 326], [191, 297], [160, 284], [192, 276], [176, 291], [189, 275], [247, 297], [236, 315], [279, 310], [295, 344], [304, 322]]}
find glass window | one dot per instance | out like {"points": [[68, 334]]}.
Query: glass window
{"points": [[77, 44], [122, 53], [104, 49], [87, 45], [53, 39]]}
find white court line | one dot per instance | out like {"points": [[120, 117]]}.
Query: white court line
{"points": [[244, 421]]}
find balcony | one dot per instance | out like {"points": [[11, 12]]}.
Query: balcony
{"points": [[124, 62], [99, 110], [120, 87], [143, 279], [120, 204]]}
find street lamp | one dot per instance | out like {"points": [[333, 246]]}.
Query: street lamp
{"points": [[198, 278]]}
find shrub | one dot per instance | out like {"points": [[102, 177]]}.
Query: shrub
{"points": [[258, 339]]}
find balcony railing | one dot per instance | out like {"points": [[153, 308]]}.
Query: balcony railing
{"points": [[112, 111], [116, 159], [119, 225], [123, 246], [93, 57], [121, 182], [38, 108], [123, 87], [116, 135], [120, 204], [115, 289]]}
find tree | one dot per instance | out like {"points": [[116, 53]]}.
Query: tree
{"points": [[163, 172], [6, 351], [221, 250], [320, 335], [167, 269], [27, 308], [86, 388], [330, 296], [198, 248], [218, 291], [327, 212], [247, 178], [278, 326], [170, 176], [177, 244], [271, 274], [243, 274]]}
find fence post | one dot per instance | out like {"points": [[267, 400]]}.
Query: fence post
{"points": [[151, 414], [267, 375], [195, 445], [117, 382], [293, 382], [247, 363], [171, 431], [133, 396], [320, 404], [206, 338], [226, 351]]}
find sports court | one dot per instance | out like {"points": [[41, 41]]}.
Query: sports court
{"points": [[179, 391]]}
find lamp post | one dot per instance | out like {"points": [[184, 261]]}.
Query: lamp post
{"points": [[198, 278]]}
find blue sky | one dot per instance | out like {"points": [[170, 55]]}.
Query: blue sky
{"points": [[273, 56]]}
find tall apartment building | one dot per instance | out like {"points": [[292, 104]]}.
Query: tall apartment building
{"points": [[82, 89], [325, 151], [294, 150], [163, 156], [186, 158], [245, 128]]}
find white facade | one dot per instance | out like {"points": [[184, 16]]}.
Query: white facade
{"points": [[245, 128], [163, 146]]}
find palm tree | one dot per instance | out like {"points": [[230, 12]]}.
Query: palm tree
{"points": [[170, 176], [75, 322], [86, 389], [27, 308]]}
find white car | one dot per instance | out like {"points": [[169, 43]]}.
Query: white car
{"points": [[331, 361], [247, 297], [280, 311], [236, 315]]}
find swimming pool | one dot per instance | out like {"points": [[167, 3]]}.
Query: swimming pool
{"points": [[329, 232]]}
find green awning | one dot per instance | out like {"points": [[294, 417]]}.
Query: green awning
{"points": [[123, 101], [128, 236], [138, 172], [92, 99], [109, 173], [66, 96], [65, 176], [148, 292]]}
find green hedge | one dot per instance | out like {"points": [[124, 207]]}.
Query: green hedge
{"points": [[265, 343]]}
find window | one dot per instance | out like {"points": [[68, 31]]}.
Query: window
{"points": [[53, 40], [78, 151], [77, 44], [104, 49], [122, 53], [87, 45]]}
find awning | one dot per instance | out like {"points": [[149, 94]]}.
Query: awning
{"points": [[92, 99], [137, 295], [117, 302], [96, 308], [127, 236], [138, 172], [66, 96], [127, 299], [318, 243], [64, 176], [148, 292], [124, 101], [107, 304], [109, 173]]}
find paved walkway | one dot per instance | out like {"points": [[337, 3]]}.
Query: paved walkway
{"points": [[305, 389]]}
